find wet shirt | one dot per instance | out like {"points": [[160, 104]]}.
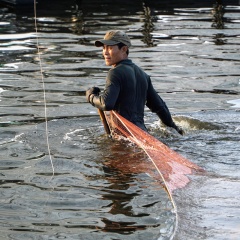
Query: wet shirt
{"points": [[128, 89]]}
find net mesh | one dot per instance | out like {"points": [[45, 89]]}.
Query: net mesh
{"points": [[173, 167]]}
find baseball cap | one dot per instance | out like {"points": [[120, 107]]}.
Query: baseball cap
{"points": [[114, 37]]}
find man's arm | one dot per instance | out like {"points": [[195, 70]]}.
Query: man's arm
{"points": [[158, 106], [107, 100]]}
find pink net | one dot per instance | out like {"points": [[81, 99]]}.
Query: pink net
{"points": [[173, 168]]}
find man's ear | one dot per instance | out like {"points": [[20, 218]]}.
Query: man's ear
{"points": [[124, 48]]}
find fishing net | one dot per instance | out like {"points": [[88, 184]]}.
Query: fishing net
{"points": [[173, 167]]}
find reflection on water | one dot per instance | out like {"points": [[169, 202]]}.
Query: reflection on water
{"points": [[148, 26], [218, 13], [103, 189]]}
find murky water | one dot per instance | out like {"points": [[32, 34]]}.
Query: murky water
{"points": [[101, 189]]}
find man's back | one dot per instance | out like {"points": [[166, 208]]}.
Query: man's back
{"points": [[131, 85]]}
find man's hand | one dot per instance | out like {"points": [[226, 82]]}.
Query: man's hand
{"points": [[179, 130], [90, 91]]}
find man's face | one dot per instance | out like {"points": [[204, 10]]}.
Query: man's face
{"points": [[113, 55]]}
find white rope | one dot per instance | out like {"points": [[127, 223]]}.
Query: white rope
{"points": [[43, 86]]}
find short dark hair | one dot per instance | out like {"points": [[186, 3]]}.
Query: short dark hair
{"points": [[120, 45]]}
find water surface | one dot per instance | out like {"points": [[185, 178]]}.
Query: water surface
{"points": [[101, 188]]}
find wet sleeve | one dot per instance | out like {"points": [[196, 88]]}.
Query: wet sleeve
{"points": [[158, 106], [107, 100]]}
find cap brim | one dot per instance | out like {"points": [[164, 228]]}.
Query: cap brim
{"points": [[100, 43]]}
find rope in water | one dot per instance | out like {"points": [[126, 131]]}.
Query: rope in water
{"points": [[43, 86], [160, 173]]}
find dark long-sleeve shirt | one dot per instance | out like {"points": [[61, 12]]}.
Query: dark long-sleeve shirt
{"points": [[128, 89]]}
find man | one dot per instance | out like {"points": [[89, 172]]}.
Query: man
{"points": [[128, 88]]}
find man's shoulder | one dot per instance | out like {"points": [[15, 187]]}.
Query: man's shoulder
{"points": [[125, 62]]}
